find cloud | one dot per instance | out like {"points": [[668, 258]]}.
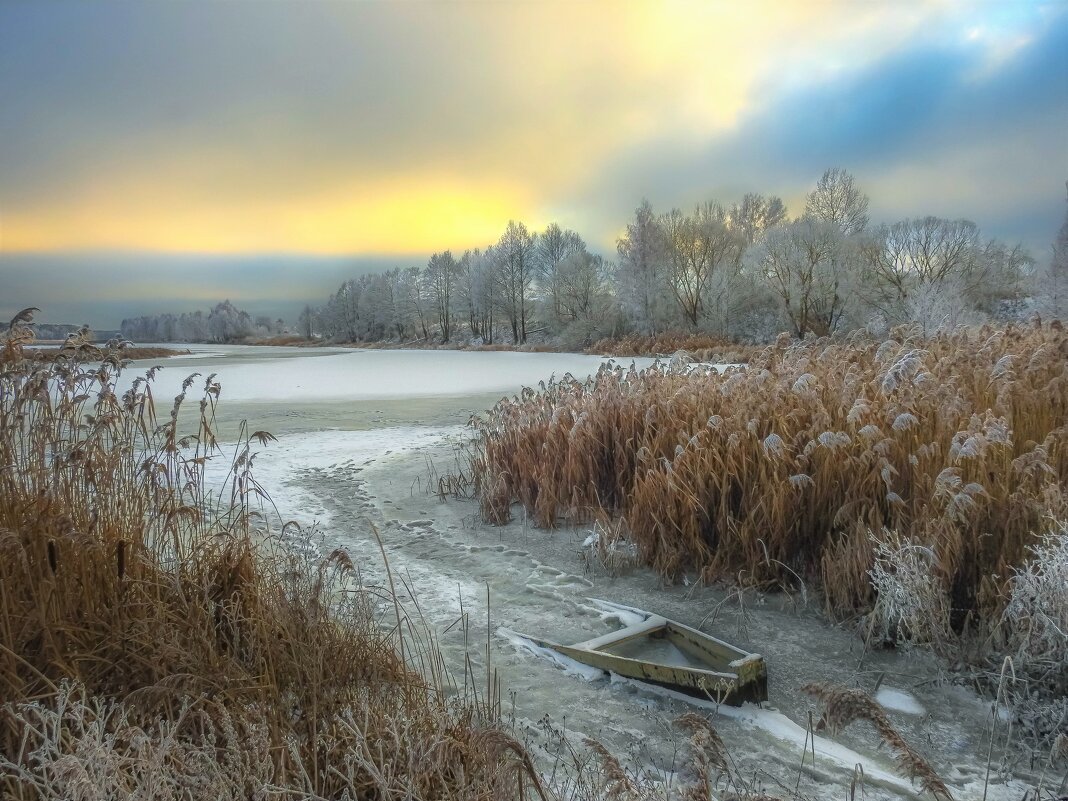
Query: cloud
{"points": [[206, 127], [339, 128], [927, 129]]}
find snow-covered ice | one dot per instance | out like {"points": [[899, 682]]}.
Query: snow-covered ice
{"points": [[313, 375], [899, 701]]}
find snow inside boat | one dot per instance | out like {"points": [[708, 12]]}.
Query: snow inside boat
{"points": [[669, 654]]}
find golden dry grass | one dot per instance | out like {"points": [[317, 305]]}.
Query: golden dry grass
{"points": [[958, 443], [701, 347], [155, 644], [843, 706], [86, 354]]}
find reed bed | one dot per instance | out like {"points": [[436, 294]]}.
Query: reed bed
{"points": [[806, 464], [700, 347], [160, 643], [126, 351]]}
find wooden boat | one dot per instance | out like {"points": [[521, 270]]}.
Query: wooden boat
{"points": [[660, 651]]}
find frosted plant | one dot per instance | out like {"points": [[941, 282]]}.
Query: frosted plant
{"points": [[884, 350], [85, 748], [870, 432], [1037, 612], [911, 606], [834, 439], [966, 446], [905, 421], [805, 384], [773, 445], [997, 430], [860, 409], [958, 498], [904, 369], [680, 362], [1003, 368], [887, 473]]}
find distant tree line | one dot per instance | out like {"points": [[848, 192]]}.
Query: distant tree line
{"points": [[744, 271], [60, 331], [223, 323]]}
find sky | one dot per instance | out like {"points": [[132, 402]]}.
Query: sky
{"points": [[164, 156]]}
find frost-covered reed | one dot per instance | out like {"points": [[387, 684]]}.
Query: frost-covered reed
{"points": [[157, 643], [957, 443]]}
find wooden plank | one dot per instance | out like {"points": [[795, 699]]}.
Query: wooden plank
{"points": [[620, 636]]}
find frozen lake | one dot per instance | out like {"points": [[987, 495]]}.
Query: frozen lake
{"points": [[362, 436], [276, 374]]}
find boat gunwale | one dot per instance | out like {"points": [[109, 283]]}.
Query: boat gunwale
{"points": [[732, 677]]}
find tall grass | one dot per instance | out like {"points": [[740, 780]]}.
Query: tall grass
{"points": [[701, 347], [156, 642], [956, 444]]}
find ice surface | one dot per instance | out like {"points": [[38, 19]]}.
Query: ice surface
{"points": [[899, 701], [570, 666], [310, 376], [282, 467], [656, 649], [782, 728]]}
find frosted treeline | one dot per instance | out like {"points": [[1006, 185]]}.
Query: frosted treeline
{"points": [[223, 323], [746, 271]]}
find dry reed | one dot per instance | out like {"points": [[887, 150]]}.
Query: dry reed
{"points": [[701, 347], [154, 643], [843, 706], [958, 443]]}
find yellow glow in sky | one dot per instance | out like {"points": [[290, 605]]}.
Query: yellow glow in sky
{"points": [[349, 128], [403, 215]]}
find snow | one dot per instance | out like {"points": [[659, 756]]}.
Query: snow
{"points": [[899, 701], [569, 666], [782, 728], [626, 615], [308, 376], [280, 466]]}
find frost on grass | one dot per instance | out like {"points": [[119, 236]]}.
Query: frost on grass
{"points": [[82, 747], [1036, 616], [912, 607]]}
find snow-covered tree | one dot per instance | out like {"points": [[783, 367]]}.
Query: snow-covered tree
{"points": [[551, 250], [701, 246], [641, 274], [1051, 282], [755, 215], [441, 277], [810, 265], [837, 200], [515, 260]]}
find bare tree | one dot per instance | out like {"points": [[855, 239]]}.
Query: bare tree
{"points": [[515, 255], [479, 292], [756, 214], [553, 247], [642, 272], [808, 264], [441, 277], [912, 256], [414, 300], [837, 200], [698, 245]]}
